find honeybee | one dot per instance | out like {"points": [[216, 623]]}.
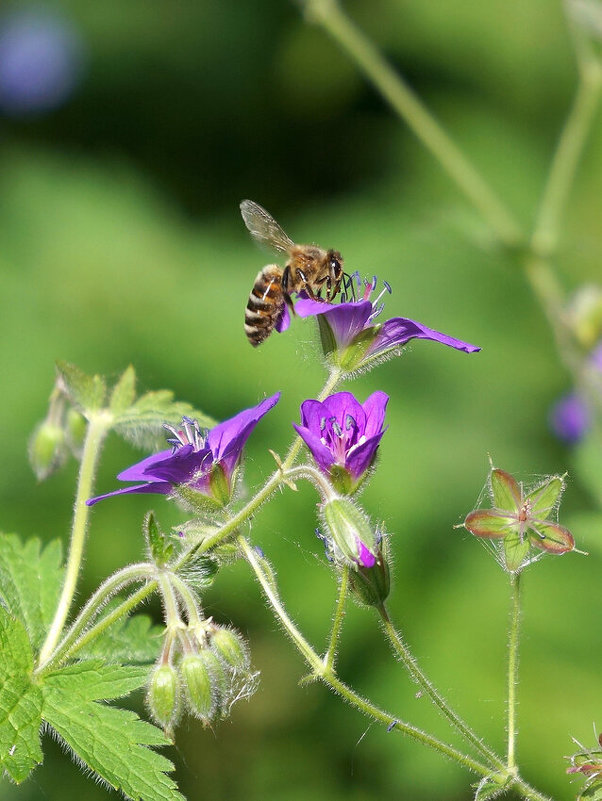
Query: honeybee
{"points": [[309, 269]]}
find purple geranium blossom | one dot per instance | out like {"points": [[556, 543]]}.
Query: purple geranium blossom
{"points": [[343, 435], [353, 337], [202, 461], [570, 418]]}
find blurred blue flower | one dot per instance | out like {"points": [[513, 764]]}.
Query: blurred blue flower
{"points": [[41, 61], [570, 418]]}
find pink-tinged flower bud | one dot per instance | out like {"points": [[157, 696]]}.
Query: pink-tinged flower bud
{"points": [[197, 682], [350, 532], [230, 646], [162, 695], [47, 449], [371, 585]]}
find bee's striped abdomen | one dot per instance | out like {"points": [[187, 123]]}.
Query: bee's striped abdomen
{"points": [[265, 304]]}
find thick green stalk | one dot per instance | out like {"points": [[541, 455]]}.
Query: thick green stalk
{"points": [[513, 668], [408, 661], [98, 427], [410, 108]]}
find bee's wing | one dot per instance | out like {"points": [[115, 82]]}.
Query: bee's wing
{"points": [[264, 228]]}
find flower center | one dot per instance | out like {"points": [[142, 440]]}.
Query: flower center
{"points": [[190, 434], [341, 441]]}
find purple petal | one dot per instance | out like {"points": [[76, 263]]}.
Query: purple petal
{"points": [[570, 418], [399, 330], [163, 488], [321, 453], [227, 439], [284, 321], [375, 407], [342, 405], [365, 557], [347, 320], [360, 458], [312, 414], [177, 467]]}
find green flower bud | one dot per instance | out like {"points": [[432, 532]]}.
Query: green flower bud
{"points": [[47, 449], [76, 431], [197, 682], [230, 646], [351, 532], [162, 695]]}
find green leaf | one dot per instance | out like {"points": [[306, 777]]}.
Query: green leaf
{"points": [[30, 582], [124, 392], [142, 423], [85, 391], [161, 548], [135, 640], [487, 523], [506, 491], [109, 741], [515, 551], [20, 702], [544, 498]]}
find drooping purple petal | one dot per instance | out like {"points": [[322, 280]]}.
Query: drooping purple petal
{"points": [[156, 487], [399, 330], [284, 321]]}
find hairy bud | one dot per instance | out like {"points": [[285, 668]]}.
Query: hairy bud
{"points": [[162, 695], [47, 449]]}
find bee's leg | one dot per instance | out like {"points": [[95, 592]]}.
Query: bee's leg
{"points": [[306, 287]]}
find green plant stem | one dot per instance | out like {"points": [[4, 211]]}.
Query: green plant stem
{"points": [[544, 240], [109, 588], [324, 672], [409, 107], [189, 600], [339, 615], [98, 427], [410, 664], [513, 667]]}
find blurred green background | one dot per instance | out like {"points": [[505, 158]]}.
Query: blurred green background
{"points": [[121, 241]]}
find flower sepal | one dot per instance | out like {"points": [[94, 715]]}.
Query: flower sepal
{"points": [[521, 520], [351, 534]]}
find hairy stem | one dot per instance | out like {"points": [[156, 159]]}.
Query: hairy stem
{"points": [[409, 662], [339, 615], [109, 588], [98, 427], [326, 674], [513, 667], [410, 108]]}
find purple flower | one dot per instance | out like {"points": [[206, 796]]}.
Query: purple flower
{"points": [[41, 60], [198, 461], [353, 339], [343, 435], [570, 418]]}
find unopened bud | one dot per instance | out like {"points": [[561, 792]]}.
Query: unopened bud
{"points": [[76, 431], [230, 646], [197, 684], [351, 532], [220, 488], [47, 449], [371, 585], [162, 695]]}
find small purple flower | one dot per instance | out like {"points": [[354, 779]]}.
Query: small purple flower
{"points": [[343, 435], [198, 462], [353, 338], [41, 61], [570, 418]]}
